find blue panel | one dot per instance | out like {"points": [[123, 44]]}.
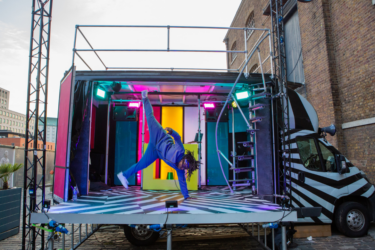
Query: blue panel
{"points": [[239, 124], [126, 148], [214, 174]]}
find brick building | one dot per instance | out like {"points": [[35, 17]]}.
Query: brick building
{"points": [[330, 49], [12, 120], [20, 142]]}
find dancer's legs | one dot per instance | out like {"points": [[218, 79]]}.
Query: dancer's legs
{"points": [[149, 157], [155, 129]]}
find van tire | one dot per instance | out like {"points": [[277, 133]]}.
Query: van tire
{"points": [[352, 219], [140, 238]]}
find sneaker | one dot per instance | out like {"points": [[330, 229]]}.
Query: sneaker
{"points": [[123, 180], [144, 94]]}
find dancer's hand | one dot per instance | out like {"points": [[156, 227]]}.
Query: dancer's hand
{"points": [[144, 94], [169, 130], [190, 198]]}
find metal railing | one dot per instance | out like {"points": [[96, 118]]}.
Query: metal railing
{"points": [[79, 28]]}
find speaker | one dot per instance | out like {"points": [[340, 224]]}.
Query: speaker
{"points": [[329, 130], [213, 114], [124, 113]]}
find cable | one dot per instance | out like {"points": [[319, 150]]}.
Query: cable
{"points": [[296, 63], [165, 223]]}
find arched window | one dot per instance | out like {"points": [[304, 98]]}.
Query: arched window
{"points": [[250, 23], [254, 69], [233, 54]]}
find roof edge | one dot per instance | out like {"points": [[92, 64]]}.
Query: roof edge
{"points": [[238, 9]]}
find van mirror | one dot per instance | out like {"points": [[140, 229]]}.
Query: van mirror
{"points": [[341, 164]]}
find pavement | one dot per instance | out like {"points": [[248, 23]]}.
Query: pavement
{"points": [[199, 237]]}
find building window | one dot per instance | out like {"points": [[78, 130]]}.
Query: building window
{"points": [[254, 69], [250, 23], [233, 54]]}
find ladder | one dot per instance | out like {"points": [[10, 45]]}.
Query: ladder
{"points": [[251, 143]]}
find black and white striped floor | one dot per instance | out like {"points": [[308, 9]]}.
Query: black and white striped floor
{"points": [[134, 206], [136, 201]]}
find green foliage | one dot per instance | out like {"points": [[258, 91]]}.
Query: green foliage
{"points": [[7, 169]]}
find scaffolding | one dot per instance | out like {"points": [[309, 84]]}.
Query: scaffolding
{"points": [[36, 108]]}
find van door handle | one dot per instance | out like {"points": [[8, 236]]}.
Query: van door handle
{"points": [[301, 177]]}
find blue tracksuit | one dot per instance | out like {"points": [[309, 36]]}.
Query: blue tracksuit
{"points": [[161, 146]]}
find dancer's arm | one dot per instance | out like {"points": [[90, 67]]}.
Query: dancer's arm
{"points": [[182, 181], [176, 136]]}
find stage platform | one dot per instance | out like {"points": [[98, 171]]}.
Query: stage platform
{"points": [[212, 205]]}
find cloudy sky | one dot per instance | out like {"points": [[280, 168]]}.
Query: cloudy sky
{"points": [[15, 17]]}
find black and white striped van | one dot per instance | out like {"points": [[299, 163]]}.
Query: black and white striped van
{"points": [[322, 177]]}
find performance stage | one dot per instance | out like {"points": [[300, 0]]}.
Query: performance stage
{"points": [[212, 205]]}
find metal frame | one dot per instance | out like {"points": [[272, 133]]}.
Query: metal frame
{"points": [[36, 108], [282, 174], [168, 49]]}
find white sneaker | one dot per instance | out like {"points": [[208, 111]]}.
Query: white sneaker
{"points": [[144, 94], [123, 180]]}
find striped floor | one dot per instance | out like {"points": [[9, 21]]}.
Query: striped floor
{"points": [[136, 201]]}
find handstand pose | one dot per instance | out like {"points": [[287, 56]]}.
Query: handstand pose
{"points": [[161, 146]]}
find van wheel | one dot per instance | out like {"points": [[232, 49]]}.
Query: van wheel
{"points": [[352, 219], [141, 236]]}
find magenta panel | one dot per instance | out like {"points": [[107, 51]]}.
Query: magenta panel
{"points": [[157, 111], [62, 135], [203, 89]]}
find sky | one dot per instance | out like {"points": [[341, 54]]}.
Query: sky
{"points": [[15, 21]]}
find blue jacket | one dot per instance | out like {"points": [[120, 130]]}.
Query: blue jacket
{"points": [[172, 153]]}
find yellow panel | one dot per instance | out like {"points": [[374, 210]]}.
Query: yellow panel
{"points": [[171, 117], [150, 183]]}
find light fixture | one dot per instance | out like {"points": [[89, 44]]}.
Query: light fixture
{"points": [[116, 87], [134, 104], [208, 105], [100, 93], [242, 94]]}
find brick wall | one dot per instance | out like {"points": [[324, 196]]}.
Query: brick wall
{"points": [[338, 50], [244, 11], [353, 30]]}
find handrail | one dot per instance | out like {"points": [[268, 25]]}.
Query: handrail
{"points": [[168, 49]]}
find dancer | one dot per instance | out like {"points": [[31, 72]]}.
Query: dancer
{"points": [[161, 146]]}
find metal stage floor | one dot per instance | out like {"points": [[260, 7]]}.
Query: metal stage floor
{"points": [[212, 205]]}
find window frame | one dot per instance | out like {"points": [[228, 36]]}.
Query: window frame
{"points": [[317, 149], [250, 32], [234, 44]]}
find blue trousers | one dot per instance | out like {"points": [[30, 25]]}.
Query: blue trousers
{"points": [[156, 134]]}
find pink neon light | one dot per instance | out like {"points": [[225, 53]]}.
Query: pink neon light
{"points": [[208, 105], [134, 104]]}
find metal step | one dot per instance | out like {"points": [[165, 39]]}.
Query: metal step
{"points": [[252, 131], [246, 143], [260, 96], [240, 180], [256, 119], [244, 157], [257, 107], [244, 169], [241, 185]]}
